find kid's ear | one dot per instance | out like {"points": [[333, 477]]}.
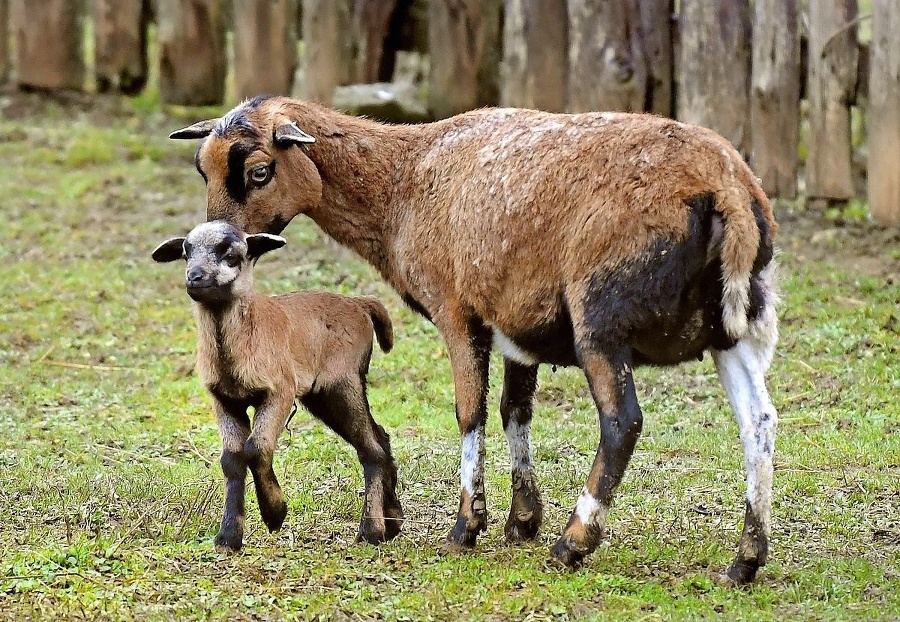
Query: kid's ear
{"points": [[261, 243], [170, 250]]}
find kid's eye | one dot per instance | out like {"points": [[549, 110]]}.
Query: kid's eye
{"points": [[261, 174]]}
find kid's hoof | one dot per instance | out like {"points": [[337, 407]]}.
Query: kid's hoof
{"points": [[738, 574], [463, 535], [564, 554], [521, 527]]}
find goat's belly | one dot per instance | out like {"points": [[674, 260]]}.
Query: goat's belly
{"points": [[673, 342], [551, 343]]}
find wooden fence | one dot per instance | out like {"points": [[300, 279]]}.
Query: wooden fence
{"points": [[744, 69]]}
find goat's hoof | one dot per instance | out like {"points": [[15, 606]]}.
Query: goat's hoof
{"points": [[274, 517], [565, 554], [376, 531], [522, 526], [228, 542], [464, 533], [741, 572]]}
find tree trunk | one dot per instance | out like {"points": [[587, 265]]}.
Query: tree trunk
{"points": [[714, 81], [535, 54], [371, 26], [491, 53], [775, 96], [4, 41], [265, 47], [832, 86], [48, 44], [120, 43], [455, 42], [327, 58], [655, 38], [884, 114], [606, 62], [192, 59]]}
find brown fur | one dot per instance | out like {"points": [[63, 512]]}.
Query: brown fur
{"points": [[520, 222]]}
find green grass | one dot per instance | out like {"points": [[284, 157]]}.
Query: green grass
{"points": [[110, 492]]}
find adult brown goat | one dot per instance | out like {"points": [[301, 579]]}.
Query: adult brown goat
{"points": [[601, 240]]}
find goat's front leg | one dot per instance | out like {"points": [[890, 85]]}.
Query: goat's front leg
{"points": [[468, 345], [608, 372], [526, 510], [259, 450], [234, 428], [742, 370]]}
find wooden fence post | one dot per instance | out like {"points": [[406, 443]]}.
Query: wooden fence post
{"points": [[455, 42], [120, 43], [606, 62], [833, 55], [327, 59], [775, 96], [49, 52], [265, 47], [655, 36], [535, 54], [491, 53], [714, 76], [371, 25], [4, 41], [884, 114], [192, 52]]}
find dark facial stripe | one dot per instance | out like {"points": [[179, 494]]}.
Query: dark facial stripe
{"points": [[197, 164], [235, 181]]}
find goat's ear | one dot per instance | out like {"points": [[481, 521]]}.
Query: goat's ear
{"points": [[201, 129], [170, 250], [261, 243], [288, 134]]}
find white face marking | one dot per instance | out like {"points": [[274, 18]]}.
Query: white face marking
{"points": [[203, 240], [518, 439], [590, 511], [472, 467], [510, 350], [742, 371]]}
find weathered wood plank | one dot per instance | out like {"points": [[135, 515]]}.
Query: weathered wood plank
{"points": [[371, 26], [775, 96], [49, 52], [831, 88], [120, 44], [192, 52], [491, 53], [607, 69], [714, 80], [884, 114], [327, 58], [655, 39], [265, 46], [535, 54], [5, 64], [455, 42]]}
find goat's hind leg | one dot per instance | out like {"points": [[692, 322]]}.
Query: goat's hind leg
{"points": [[234, 428], [259, 451], [345, 409], [526, 510], [742, 371]]}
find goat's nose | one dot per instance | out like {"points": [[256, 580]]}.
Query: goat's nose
{"points": [[194, 275]]}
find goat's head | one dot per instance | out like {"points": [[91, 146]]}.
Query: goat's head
{"points": [[219, 260], [257, 173]]}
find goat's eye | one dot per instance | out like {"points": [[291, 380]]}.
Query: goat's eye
{"points": [[261, 175]]}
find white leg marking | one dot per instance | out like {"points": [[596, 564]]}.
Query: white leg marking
{"points": [[742, 371], [472, 467], [510, 350], [590, 511], [518, 437]]}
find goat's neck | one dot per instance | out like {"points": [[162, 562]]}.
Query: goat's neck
{"points": [[219, 328], [358, 161]]}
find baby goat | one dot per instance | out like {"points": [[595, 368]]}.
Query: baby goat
{"points": [[264, 352]]}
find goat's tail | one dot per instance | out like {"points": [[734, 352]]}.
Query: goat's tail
{"points": [[739, 251], [384, 330]]}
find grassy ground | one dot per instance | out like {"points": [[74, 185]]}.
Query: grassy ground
{"points": [[110, 492]]}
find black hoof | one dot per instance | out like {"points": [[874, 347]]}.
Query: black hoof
{"points": [[522, 526], [564, 554], [463, 536], [228, 542], [273, 517], [741, 572]]}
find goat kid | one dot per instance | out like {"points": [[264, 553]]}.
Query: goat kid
{"points": [[265, 352], [603, 240]]}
